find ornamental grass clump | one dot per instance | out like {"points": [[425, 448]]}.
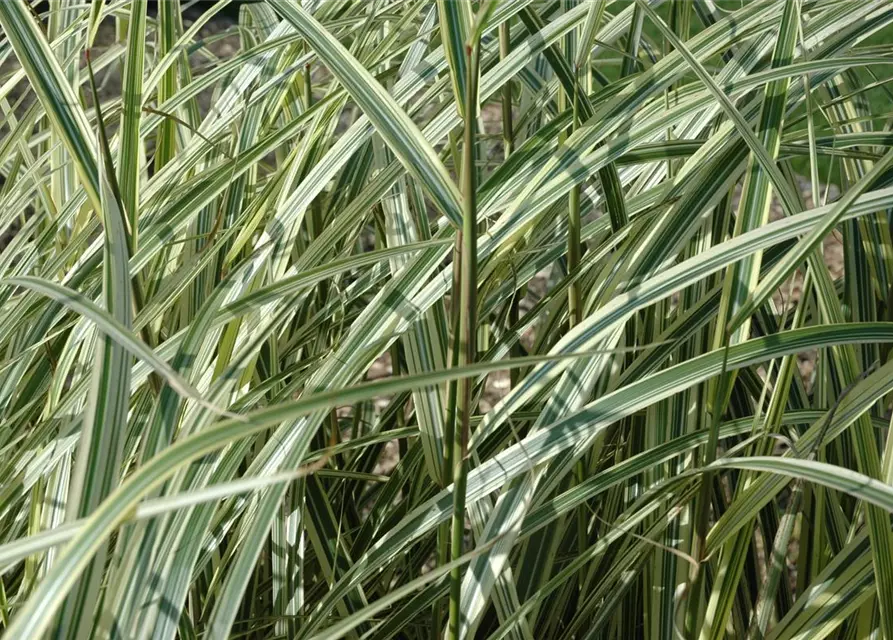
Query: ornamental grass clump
{"points": [[446, 319]]}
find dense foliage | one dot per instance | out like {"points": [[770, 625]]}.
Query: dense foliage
{"points": [[414, 319]]}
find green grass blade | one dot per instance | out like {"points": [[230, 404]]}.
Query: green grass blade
{"points": [[402, 135]]}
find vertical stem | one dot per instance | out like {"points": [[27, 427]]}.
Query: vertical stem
{"points": [[449, 435], [166, 33], [508, 145], [574, 304], [315, 205], [315, 210], [508, 132], [574, 300], [702, 503], [467, 351], [315, 229], [308, 87], [396, 371]]}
